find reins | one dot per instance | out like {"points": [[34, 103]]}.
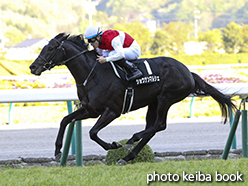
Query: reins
{"points": [[71, 58], [50, 64], [86, 80]]}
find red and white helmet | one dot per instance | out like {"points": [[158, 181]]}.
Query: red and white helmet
{"points": [[92, 31]]}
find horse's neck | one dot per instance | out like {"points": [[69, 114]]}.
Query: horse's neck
{"points": [[80, 68]]}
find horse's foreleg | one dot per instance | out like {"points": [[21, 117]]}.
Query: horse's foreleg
{"points": [[106, 117], [79, 114]]}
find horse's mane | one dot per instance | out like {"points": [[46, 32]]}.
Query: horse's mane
{"points": [[78, 40]]}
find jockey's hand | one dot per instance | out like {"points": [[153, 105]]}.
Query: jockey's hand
{"points": [[101, 59]]}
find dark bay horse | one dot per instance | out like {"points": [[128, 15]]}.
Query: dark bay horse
{"points": [[101, 92]]}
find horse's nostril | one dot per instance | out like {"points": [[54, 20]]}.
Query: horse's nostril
{"points": [[32, 67]]}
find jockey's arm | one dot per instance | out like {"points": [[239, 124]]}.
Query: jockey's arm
{"points": [[99, 51], [119, 51]]}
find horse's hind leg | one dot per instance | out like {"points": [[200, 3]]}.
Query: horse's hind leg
{"points": [[156, 117], [150, 120]]}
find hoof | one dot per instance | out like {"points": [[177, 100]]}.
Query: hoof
{"points": [[116, 145], [121, 162], [128, 147], [58, 157]]}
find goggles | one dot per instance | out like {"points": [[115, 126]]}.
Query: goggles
{"points": [[92, 40]]}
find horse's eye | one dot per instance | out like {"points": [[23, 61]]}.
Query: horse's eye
{"points": [[50, 48]]}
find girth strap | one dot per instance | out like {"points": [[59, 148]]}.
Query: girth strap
{"points": [[128, 100]]}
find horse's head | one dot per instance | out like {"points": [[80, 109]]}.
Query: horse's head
{"points": [[50, 55]]}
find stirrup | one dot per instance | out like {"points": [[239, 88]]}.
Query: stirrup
{"points": [[134, 76]]}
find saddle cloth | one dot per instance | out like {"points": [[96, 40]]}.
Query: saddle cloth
{"points": [[149, 69]]}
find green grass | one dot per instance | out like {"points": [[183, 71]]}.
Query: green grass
{"points": [[129, 175]]}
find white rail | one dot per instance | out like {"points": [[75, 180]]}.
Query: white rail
{"points": [[38, 95]]}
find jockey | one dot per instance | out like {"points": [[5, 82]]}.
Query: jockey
{"points": [[115, 46]]}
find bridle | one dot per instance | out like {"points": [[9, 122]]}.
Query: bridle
{"points": [[49, 64]]}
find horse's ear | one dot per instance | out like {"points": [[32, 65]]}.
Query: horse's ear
{"points": [[62, 36], [82, 38], [66, 36]]}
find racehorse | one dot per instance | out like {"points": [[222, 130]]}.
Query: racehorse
{"points": [[101, 92]]}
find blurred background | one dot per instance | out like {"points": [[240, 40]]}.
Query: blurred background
{"points": [[209, 36]]}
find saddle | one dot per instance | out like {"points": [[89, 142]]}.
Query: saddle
{"points": [[151, 74], [148, 68]]}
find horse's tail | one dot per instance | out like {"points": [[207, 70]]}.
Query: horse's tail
{"points": [[203, 88]]}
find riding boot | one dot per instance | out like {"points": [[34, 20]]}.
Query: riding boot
{"points": [[132, 71]]}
